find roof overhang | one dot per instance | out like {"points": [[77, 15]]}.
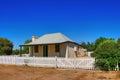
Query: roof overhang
{"points": [[49, 43]]}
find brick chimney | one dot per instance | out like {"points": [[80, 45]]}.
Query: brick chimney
{"points": [[34, 38]]}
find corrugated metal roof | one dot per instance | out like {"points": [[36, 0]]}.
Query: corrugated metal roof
{"points": [[51, 39]]}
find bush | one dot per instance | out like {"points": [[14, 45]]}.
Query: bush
{"points": [[16, 52], [6, 46], [102, 64], [107, 55]]}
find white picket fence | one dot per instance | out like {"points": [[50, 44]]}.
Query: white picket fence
{"points": [[74, 63]]}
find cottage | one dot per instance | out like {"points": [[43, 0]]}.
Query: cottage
{"points": [[55, 44]]}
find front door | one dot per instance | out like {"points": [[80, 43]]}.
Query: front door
{"points": [[45, 51]]}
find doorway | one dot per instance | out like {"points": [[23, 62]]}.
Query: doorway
{"points": [[45, 51]]}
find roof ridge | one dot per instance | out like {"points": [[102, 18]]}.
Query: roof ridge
{"points": [[65, 37], [53, 33]]}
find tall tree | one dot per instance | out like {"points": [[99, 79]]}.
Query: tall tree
{"points": [[118, 41], [89, 46], [16, 52], [83, 44], [6, 46], [107, 54], [99, 41], [26, 48]]}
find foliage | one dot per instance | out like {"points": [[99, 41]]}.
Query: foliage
{"points": [[118, 41], [107, 55], [89, 46], [6, 46], [92, 46], [26, 48], [16, 51], [101, 40], [106, 47], [102, 64]]}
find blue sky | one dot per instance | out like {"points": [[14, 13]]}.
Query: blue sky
{"points": [[80, 20]]}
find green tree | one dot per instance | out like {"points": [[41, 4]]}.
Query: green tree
{"points": [[101, 40], [83, 44], [26, 48], [118, 54], [16, 51], [6, 46], [107, 55], [118, 41], [89, 46]]}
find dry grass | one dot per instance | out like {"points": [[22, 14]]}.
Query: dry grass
{"points": [[8, 72], [118, 75]]}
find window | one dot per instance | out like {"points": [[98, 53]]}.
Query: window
{"points": [[57, 48], [36, 49]]}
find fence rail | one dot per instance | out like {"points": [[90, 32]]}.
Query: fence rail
{"points": [[74, 63]]}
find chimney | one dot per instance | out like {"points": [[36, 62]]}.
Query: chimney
{"points": [[34, 38]]}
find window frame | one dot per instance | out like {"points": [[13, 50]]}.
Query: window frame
{"points": [[57, 47], [36, 49]]}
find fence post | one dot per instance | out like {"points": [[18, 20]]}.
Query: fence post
{"points": [[56, 62]]}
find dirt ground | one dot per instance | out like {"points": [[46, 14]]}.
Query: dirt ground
{"points": [[8, 72]]}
